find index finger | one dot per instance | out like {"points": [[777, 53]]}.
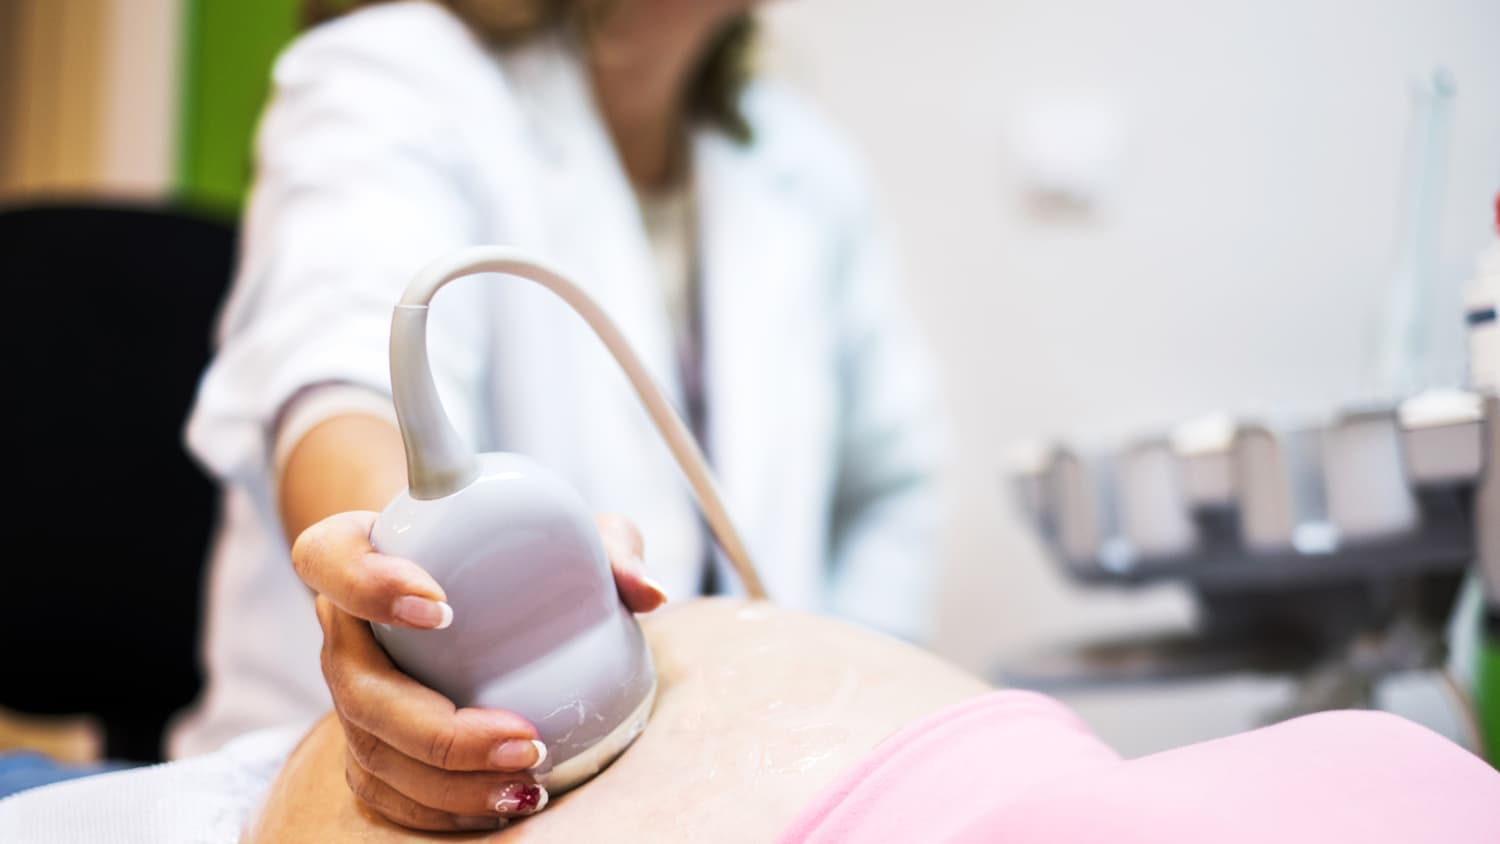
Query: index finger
{"points": [[335, 559]]}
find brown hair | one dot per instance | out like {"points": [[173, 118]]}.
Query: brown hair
{"points": [[713, 94]]}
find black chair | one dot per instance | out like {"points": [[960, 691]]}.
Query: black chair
{"points": [[110, 312]]}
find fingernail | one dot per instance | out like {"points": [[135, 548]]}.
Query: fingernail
{"points": [[518, 754], [476, 823], [655, 586], [422, 612], [520, 798]]}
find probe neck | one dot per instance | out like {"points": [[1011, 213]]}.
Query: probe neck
{"points": [[439, 463]]}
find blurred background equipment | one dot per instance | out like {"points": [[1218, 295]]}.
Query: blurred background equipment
{"points": [[1341, 594], [1336, 554]]}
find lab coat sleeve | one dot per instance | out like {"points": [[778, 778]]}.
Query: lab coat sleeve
{"points": [[887, 499], [357, 187]]}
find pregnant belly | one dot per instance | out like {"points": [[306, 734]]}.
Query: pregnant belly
{"points": [[757, 709]]}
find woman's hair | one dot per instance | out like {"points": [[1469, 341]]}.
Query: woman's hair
{"points": [[713, 93]]}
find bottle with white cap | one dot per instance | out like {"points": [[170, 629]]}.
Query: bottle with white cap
{"points": [[1480, 301]]}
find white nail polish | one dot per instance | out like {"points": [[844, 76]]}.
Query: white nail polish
{"points": [[447, 615], [655, 584], [541, 753]]}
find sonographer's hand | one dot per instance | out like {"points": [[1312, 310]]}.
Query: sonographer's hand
{"points": [[414, 757]]}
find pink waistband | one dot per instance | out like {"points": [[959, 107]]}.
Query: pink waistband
{"points": [[931, 779], [1018, 766]]}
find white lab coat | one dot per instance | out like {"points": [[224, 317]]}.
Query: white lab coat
{"points": [[394, 136]]}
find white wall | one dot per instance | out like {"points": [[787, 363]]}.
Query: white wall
{"points": [[1233, 263], [88, 97], [142, 98]]}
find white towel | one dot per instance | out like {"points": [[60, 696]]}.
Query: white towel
{"points": [[205, 799]]}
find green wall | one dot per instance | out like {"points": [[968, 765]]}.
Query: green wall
{"points": [[227, 50], [1487, 695]]}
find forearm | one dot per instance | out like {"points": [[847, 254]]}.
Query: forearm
{"points": [[349, 462]]}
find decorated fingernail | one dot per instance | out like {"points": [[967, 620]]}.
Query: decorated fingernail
{"points": [[422, 612], [518, 754], [520, 798]]}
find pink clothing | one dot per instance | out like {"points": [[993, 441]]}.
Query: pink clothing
{"points": [[1019, 766]]}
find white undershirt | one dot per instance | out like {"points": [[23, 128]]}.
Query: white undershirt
{"points": [[668, 218]]}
